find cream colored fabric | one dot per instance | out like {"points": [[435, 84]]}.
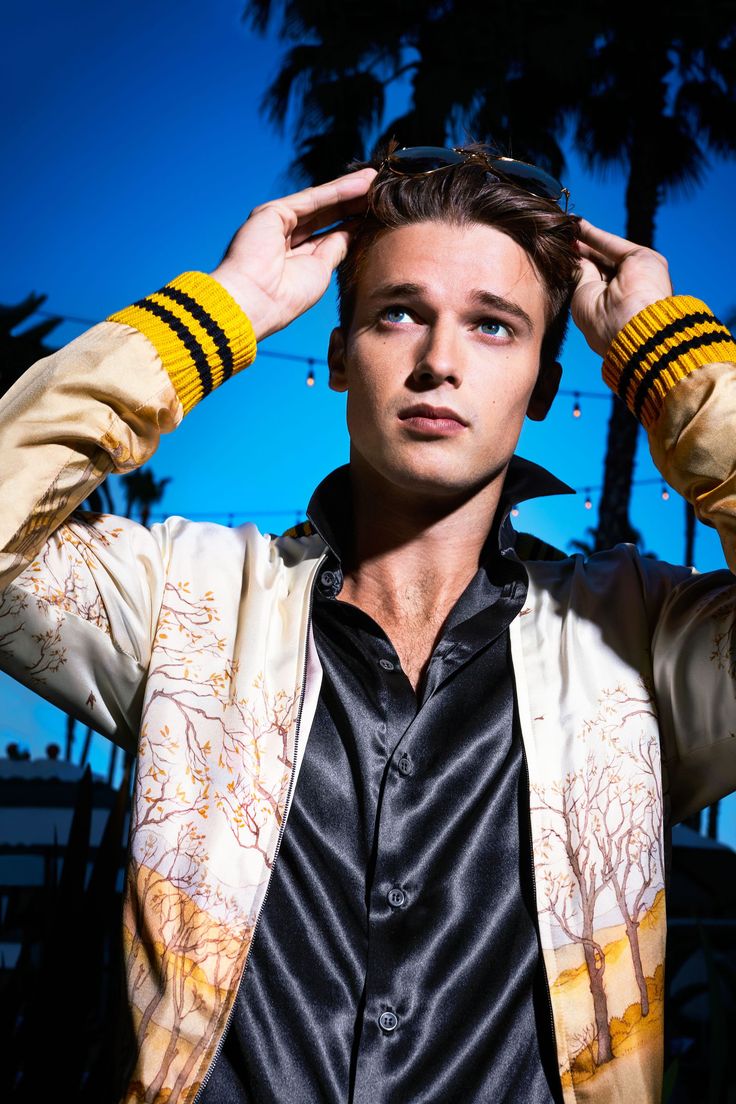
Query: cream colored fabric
{"points": [[693, 446], [191, 644], [79, 627]]}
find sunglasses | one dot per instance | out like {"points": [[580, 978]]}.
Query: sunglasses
{"points": [[423, 160]]}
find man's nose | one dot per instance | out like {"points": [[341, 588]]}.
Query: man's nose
{"points": [[439, 357]]}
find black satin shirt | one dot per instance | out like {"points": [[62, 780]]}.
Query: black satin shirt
{"points": [[396, 959]]}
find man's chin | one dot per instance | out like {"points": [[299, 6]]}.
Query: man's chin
{"points": [[436, 481]]}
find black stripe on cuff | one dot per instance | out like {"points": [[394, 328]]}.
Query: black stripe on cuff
{"points": [[656, 370], [656, 339], [207, 323], [193, 347]]}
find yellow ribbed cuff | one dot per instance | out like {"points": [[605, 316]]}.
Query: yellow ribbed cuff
{"points": [[659, 347], [198, 330]]}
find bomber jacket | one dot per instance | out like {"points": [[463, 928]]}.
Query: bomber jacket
{"points": [[190, 645]]}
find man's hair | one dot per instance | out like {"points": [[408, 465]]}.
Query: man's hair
{"points": [[464, 194]]}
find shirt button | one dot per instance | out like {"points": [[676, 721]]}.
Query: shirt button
{"points": [[396, 897], [327, 578], [405, 765], [386, 664], [388, 1021]]}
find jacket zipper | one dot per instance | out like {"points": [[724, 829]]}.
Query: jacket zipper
{"points": [[534, 891], [514, 555], [282, 829]]}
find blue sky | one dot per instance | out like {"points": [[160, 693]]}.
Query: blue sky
{"points": [[132, 150]]}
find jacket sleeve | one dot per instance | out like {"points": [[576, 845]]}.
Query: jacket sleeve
{"points": [[674, 364], [80, 593]]}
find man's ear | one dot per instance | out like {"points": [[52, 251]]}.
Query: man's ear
{"points": [[336, 361], [545, 389]]}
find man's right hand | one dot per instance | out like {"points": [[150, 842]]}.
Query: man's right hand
{"points": [[279, 264]]}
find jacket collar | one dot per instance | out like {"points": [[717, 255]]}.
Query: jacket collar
{"points": [[330, 508]]}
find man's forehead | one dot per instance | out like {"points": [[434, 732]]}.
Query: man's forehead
{"points": [[474, 260]]}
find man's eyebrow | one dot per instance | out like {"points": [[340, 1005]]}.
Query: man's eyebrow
{"points": [[485, 299], [497, 302], [395, 291]]}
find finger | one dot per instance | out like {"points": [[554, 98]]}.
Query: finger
{"points": [[328, 244], [590, 273], [614, 248], [333, 247], [311, 201], [605, 268], [324, 219]]}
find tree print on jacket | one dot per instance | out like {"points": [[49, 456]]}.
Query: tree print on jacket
{"points": [[600, 868], [211, 793], [199, 668], [724, 642], [59, 579], [47, 653]]}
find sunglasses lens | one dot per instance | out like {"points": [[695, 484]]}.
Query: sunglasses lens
{"points": [[533, 179], [419, 160], [423, 159]]}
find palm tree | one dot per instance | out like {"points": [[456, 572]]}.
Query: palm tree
{"points": [[18, 351], [343, 57], [648, 88], [143, 490], [662, 97]]}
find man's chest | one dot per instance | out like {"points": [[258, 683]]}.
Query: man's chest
{"points": [[413, 637], [404, 860]]}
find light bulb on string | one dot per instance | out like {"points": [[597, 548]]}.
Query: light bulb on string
{"points": [[576, 411], [588, 501], [310, 374], [665, 493]]}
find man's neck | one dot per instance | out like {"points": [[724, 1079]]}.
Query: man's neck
{"points": [[413, 555]]}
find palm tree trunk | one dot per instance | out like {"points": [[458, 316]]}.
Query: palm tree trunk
{"points": [[614, 524], [695, 820], [642, 201], [689, 535], [713, 821], [111, 768], [85, 747], [70, 725]]}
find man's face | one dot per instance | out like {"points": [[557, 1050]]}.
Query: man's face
{"points": [[450, 319]]}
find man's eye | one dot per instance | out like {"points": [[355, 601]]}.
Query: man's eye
{"points": [[494, 328], [395, 315]]}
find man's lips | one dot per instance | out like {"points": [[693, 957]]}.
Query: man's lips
{"points": [[425, 413]]}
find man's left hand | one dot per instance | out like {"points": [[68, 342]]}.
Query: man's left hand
{"points": [[617, 280]]}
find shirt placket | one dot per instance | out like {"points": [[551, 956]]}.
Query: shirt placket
{"points": [[386, 1011]]}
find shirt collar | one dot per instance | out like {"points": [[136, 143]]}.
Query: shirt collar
{"points": [[330, 508]]}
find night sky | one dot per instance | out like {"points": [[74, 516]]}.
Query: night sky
{"points": [[133, 148]]}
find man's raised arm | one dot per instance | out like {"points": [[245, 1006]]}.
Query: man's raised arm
{"points": [[673, 363], [79, 598], [100, 404]]}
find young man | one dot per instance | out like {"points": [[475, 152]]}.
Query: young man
{"points": [[468, 901]]}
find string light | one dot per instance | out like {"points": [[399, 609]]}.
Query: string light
{"points": [[301, 358], [310, 382], [245, 514]]}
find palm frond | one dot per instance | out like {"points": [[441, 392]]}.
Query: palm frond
{"points": [[710, 110], [258, 14]]}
